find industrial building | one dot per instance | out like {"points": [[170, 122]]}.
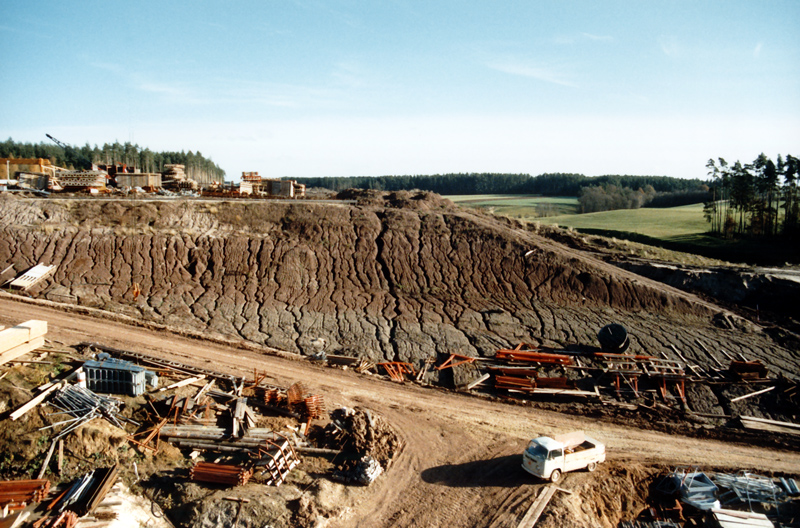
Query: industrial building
{"points": [[252, 183]]}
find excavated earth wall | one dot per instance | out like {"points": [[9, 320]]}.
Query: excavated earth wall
{"points": [[390, 277]]}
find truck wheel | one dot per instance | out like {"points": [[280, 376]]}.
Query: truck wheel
{"points": [[592, 466], [555, 476]]}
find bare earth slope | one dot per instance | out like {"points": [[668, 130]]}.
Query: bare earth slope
{"points": [[397, 276], [460, 465]]}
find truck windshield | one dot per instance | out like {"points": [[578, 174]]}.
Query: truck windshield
{"points": [[537, 450]]}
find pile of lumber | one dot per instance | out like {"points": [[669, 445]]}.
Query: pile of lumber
{"points": [[21, 339]]}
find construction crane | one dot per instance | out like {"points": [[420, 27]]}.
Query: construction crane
{"points": [[57, 142], [72, 154]]}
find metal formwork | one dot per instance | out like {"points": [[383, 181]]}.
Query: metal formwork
{"points": [[115, 376]]}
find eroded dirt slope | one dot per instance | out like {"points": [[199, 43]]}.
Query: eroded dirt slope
{"points": [[397, 276]]}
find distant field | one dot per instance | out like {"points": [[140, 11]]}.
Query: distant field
{"points": [[681, 229], [678, 224], [519, 205]]}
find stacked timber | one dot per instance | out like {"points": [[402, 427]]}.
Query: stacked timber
{"points": [[174, 177], [220, 474], [21, 339], [17, 494]]}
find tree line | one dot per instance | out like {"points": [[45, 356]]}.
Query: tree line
{"points": [[747, 199], [198, 167], [551, 184]]}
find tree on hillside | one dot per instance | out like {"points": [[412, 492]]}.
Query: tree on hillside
{"points": [[747, 199], [791, 201], [765, 206]]}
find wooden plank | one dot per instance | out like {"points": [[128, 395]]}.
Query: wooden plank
{"points": [[771, 422], [756, 393], [21, 333], [182, 383], [478, 381], [537, 508], [20, 350], [36, 400], [46, 460]]}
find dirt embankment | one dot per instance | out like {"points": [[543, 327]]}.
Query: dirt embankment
{"points": [[399, 276]]}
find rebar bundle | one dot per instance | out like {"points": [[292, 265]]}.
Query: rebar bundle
{"points": [[83, 405], [220, 474], [17, 494]]}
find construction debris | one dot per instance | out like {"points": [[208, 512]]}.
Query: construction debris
{"points": [[748, 370], [84, 405], [748, 488], [397, 370], [740, 519], [364, 471], [762, 424], [537, 508], [696, 489], [359, 431], [526, 353]]}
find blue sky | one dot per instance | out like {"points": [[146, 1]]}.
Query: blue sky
{"points": [[349, 88]]}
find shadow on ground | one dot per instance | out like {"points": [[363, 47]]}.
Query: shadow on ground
{"points": [[505, 471]]}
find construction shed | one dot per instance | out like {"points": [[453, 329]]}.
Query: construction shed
{"points": [[272, 187]]}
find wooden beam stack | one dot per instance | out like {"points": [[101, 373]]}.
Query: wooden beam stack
{"points": [[21, 339]]}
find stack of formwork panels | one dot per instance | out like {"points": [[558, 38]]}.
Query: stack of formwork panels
{"points": [[21, 339], [116, 376], [32, 277]]}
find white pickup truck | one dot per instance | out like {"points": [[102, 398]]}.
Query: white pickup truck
{"points": [[549, 458]]}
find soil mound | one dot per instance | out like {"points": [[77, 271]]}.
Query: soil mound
{"points": [[398, 276], [365, 433]]}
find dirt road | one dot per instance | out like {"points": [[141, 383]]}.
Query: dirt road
{"points": [[460, 463]]}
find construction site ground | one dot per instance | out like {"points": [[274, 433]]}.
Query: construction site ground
{"points": [[460, 461], [408, 277]]}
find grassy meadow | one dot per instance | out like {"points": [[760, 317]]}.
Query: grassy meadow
{"points": [[682, 229], [527, 207], [679, 224]]}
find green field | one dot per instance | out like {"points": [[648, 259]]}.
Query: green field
{"points": [[524, 206], [677, 224]]}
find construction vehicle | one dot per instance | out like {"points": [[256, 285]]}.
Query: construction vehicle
{"points": [[549, 458]]}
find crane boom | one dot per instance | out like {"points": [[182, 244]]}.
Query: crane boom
{"points": [[57, 142], [72, 153]]}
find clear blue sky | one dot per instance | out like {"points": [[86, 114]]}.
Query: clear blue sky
{"points": [[345, 87]]}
